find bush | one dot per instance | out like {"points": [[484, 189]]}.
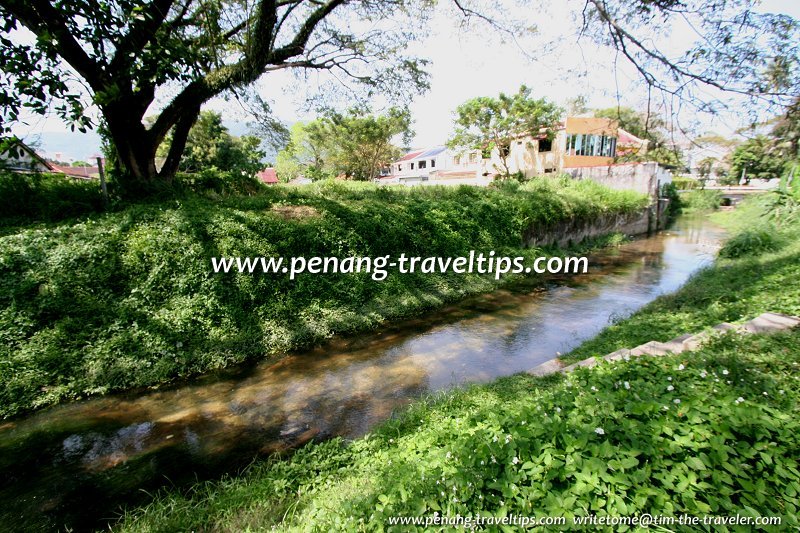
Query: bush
{"points": [[752, 242], [700, 200], [685, 183], [46, 197], [213, 180]]}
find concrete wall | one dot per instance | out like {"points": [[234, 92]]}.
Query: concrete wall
{"points": [[647, 178], [569, 232]]}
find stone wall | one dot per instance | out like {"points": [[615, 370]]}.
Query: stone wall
{"points": [[647, 178], [569, 232]]}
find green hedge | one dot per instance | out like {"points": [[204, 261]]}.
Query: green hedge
{"points": [[46, 197]]}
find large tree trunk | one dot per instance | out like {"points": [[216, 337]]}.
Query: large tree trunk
{"points": [[136, 146]]}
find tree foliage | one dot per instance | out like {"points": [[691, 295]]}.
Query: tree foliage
{"points": [[756, 159], [126, 53], [355, 144], [738, 50], [129, 57], [485, 123], [210, 145]]}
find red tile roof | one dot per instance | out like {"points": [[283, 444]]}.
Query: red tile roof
{"points": [[268, 176], [77, 172], [627, 138], [411, 155]]}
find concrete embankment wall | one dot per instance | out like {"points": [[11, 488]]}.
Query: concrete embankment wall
{"points": [[649, 219], [646, 178]]}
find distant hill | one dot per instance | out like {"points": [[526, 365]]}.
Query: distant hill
{"points": [[80, 146]]}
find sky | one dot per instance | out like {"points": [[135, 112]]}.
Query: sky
{"points": [[464, 64]]}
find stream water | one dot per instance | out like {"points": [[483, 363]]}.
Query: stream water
{"points": [[71, 466]]}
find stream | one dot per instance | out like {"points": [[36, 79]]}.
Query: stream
{"points": [[73, 465]]}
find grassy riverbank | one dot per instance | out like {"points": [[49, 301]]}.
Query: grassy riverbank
{"points": [[609, 441], [128, 299], [712, 432], [763, 275]]}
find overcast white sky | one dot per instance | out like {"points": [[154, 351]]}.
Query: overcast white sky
{"points": [[466, 64]]}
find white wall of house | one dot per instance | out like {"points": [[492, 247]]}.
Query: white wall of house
{"points": [[21, 158], [420, 167]]}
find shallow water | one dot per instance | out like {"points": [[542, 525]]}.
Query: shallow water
{"points": [[72, 465]]}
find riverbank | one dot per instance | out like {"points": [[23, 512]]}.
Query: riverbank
{"points": [[763, 276], [711, 432], [128, 299]]}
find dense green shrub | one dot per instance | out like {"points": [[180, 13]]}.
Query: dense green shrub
{"points": [[701, 200], [685, 183], [129, 299], [46, 197], [751, 242]]}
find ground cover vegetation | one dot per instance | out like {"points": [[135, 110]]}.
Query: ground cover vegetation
{"points": [[713, 431], [128, 298]]}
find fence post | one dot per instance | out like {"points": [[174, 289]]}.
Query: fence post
{"points": [[103, 187]]}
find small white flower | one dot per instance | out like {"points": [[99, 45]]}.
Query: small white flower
{"points": [[664, 408], [600, 431], [681, 367], [482, 463], [391, 441], [676, 400], [502, 503], [494, 439], [725, 372], [179, 344], [627, 385], [594, 389], [781, 391], [670, 388], [449, 455], [515, 460], [669, 378], [703, 374], [558, 409], [739, 400], [493, 459], [765, 393]]}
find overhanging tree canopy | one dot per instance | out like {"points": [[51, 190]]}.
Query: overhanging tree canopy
{"points": [[126, 51], [129, 55]]}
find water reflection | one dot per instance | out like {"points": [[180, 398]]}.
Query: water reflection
{"points": [[71, 463]]}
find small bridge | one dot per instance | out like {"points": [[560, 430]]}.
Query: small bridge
{"points": [[734, 194]]}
